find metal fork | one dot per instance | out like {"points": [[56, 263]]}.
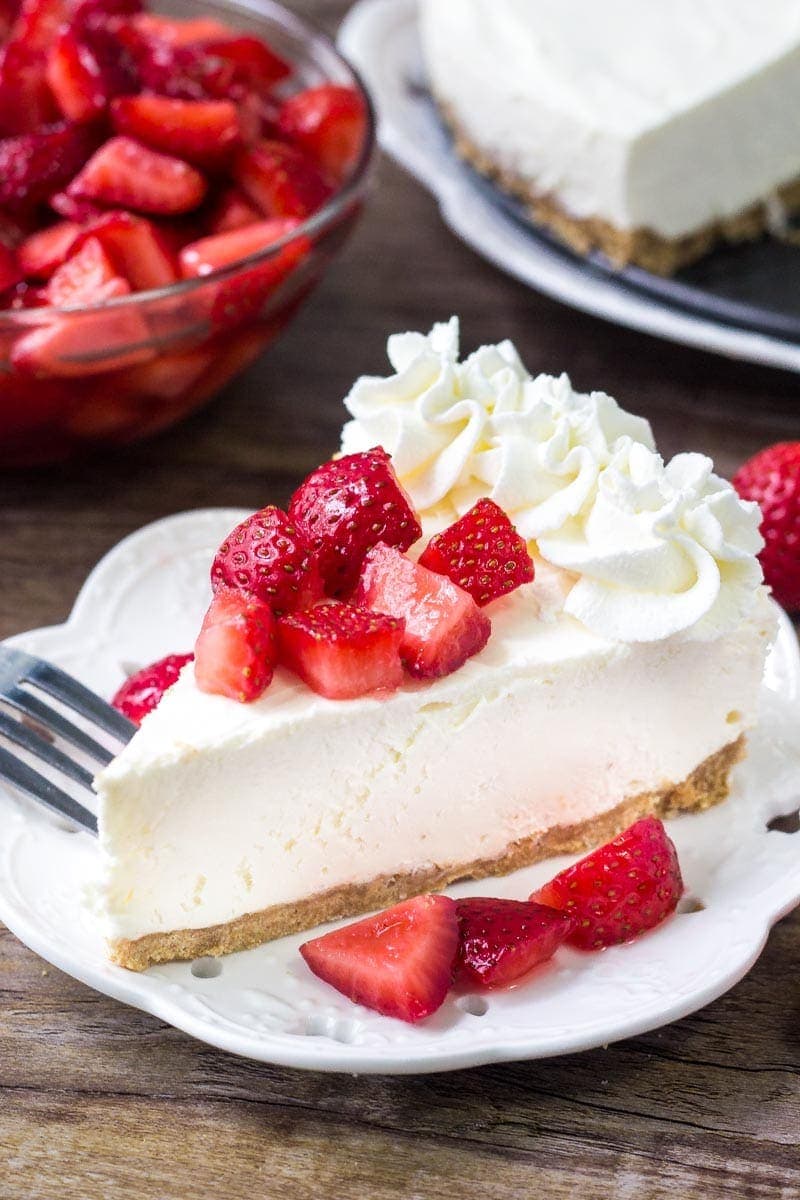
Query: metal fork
{"points": [[27, 721]]}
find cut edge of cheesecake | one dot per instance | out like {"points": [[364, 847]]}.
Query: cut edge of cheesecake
{"points": [[623, 247], [707, 785]]}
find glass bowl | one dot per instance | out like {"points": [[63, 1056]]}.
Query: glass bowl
{"points": [[73, 379]]}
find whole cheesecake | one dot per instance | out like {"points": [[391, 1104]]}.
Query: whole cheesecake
{"points": [[650, 131], [620, 681]]}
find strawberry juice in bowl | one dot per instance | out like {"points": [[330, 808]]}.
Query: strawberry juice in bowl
{"points": [[172, 186]]}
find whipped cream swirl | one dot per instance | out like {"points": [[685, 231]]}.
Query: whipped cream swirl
{"points": [[655, 550]]}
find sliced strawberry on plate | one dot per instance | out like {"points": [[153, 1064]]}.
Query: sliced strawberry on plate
{"points": [[443, 624], [482, 552], [281, 180], [11, 272], [75, 78], [236, 651], [341, 651], [398, 963], [34, 165], [329, 122], [232, 211], [621, 889], [123, 173], [140, 693], [349, 505], [138, 249], [42, 252], [500, 941], [204, 132], [79, 279], [268, 557]]}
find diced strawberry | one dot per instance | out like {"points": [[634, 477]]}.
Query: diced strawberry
{"points": [[139, 251], [482, 552], [39, 21], [34, 165], [236, 651], [329, 122], [232, 211], [79, 279], [42, 252], [399, 962], [81, 212], [444, 626], [500, 941], [180, 33], [75, 78], [255, 63], [267, 557], [185, 72], [125, 174], [620, 890], [11, 273], [345, 508], [341, 651], [212, 253], [202, 131], [26, 102], [281, 180], [141, 692]]}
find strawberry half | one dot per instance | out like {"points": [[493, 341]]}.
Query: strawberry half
{"points": [[125, 174], [398, 963], [346, 507], [140, 694], [268, 557], [620, 890], [329, 122], [81, 278], [281, 180], [342, 652], [235, 654], [502, 940], [482, 553], [204, 132], [443, 624], [772, 479], [139, 250]]}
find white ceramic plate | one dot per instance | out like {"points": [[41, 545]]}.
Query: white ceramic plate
{"points": [[380, 39], [146, 599]]}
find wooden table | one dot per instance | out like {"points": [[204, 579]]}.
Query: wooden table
{"points": [[98, 1100]]}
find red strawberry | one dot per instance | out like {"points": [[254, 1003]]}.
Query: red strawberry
{"points": [[72, 209], [39, 21], [342, 652], [349, 505], [138, 249], [236, 651], [502, 940], [204, 132], [180, 33], [220, 250], [34, 165], [255, 63], [80, 278], [44, 251], [329, 122], [444, 626], [620, 890], [772, 479], [399, 962], [482, 553], [125, 174], [11, 273], [184, 72], [75, 78], [140, 694], [266, 556], [281, 180], [232, 211], [26, 102]]}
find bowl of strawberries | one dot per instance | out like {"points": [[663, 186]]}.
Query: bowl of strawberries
{"points": [[173, 184]]}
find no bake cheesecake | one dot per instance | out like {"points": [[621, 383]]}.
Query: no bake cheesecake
{"points": [[620, 681]]}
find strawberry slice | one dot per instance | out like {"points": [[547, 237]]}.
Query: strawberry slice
{"points": [[81, 212], [500, 941], [82, 276], [137, 248], [398, 963], [39, 22], [232, 211], [184, 72], [125, 174], [255, 63], [443, 624], [140, 693], [42, 252], [281, 180], [11, 273], [329, 122], [266, 556], [620, 890], [342, 652], [482, 553], [35, 164], [26, 102], [346, 507], [180, 33], [236, 651], [204, 132], [75, 78]]}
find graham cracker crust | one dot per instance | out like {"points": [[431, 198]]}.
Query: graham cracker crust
{"points": [[641, 247], [707, 785]]}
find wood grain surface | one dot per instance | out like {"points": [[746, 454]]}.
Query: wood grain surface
{"points": [[98, 1100]]}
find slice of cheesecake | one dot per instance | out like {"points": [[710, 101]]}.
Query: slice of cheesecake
{"points": [[621, 681]]}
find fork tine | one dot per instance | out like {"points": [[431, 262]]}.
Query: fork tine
{"points": [[63, 687], [36, 786], [33, 707], [22, 736]]}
